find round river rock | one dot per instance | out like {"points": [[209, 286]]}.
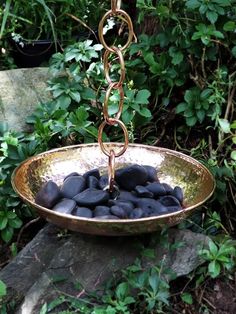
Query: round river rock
{"points": [[91, 197], [48, 195], [128, 178]]}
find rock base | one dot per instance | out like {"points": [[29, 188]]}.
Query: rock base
{"points": [[54, 261]]}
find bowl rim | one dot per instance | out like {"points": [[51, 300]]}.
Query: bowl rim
{"points": [[184, 211]]}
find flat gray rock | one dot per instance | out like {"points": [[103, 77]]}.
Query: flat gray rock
{"points": [[21, 90], [32, 276]]}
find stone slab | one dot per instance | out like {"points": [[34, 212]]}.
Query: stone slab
{"points": [[32, 276], [21, 90]]}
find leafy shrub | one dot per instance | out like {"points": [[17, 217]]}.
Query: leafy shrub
{"points": [[14, 148]]}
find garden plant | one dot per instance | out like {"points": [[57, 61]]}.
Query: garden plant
{"points": [[180, 94]]}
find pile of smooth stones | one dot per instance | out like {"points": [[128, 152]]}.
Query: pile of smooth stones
{"points": [[140, 195]]}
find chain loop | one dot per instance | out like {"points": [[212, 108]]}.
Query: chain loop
{"points": [[111, 170], [127, 19], [105, 105], [115, 5], [126, 137], [110, 153], [107, 67]]}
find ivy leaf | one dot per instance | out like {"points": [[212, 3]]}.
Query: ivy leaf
{"points": [[187, 298], [145, 112], [176, 55], [201, 115], [218, 34], [233, 155], [3, 289], [225, 125], [7, 234], [142, 97], [15, 223], [3, 222], [98, 47], [154, 282], [44, 309], [213, 248], [206, 93], [230, 26], [75, 96], [233, 125], [127, 116], [181, 107], [11, 214], [214, 269], [122, 290], [64, 101], [178, 58], [212, 16], [223, 3], [191, 121], [193, 4], [162, 10]]}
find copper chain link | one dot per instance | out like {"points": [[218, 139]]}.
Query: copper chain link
{"points": [[111, 154]]}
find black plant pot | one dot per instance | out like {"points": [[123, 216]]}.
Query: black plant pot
{"points": [[33, 54]]}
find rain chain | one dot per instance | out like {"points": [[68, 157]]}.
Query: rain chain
{"points": [[111, 154]]}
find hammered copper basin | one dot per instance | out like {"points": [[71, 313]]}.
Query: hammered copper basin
{"points": [[172, 167]]}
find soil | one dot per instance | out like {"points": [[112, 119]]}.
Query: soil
{"points": [[28, 232], [216, 296]]}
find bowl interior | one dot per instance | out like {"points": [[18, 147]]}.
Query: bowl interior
{"points": [[172, 167]]}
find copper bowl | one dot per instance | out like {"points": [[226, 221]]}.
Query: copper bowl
{"points": [[172, 167]]}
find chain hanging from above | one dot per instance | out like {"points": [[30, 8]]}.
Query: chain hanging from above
{"points": [[115, 11]]}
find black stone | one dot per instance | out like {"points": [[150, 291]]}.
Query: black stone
{"points": [[156, 188], [148, 205], [142, 191], [126, 205], [168, 188], [128, 196], [48, 195], [91, 197], [103, 182], [169, 200], [94, 172], [178, 193], [107, 217], [152, 173], [83, 212], [128, 178], [136, 213], [101, 211], [73, 186], [118, 211], [92, 182], [160, 210], [72, 174], [65, 206]]}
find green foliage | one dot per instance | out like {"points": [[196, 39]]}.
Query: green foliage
{"points": [[14, 148], [134, 290], [188, 66], [187, 298], [43, 19], [220, 256], [187, 69], [59, 21], [78, 91], [3, 289], [196, 105]]}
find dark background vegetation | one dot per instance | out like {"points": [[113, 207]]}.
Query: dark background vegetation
{"points": [[179, 94]]}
